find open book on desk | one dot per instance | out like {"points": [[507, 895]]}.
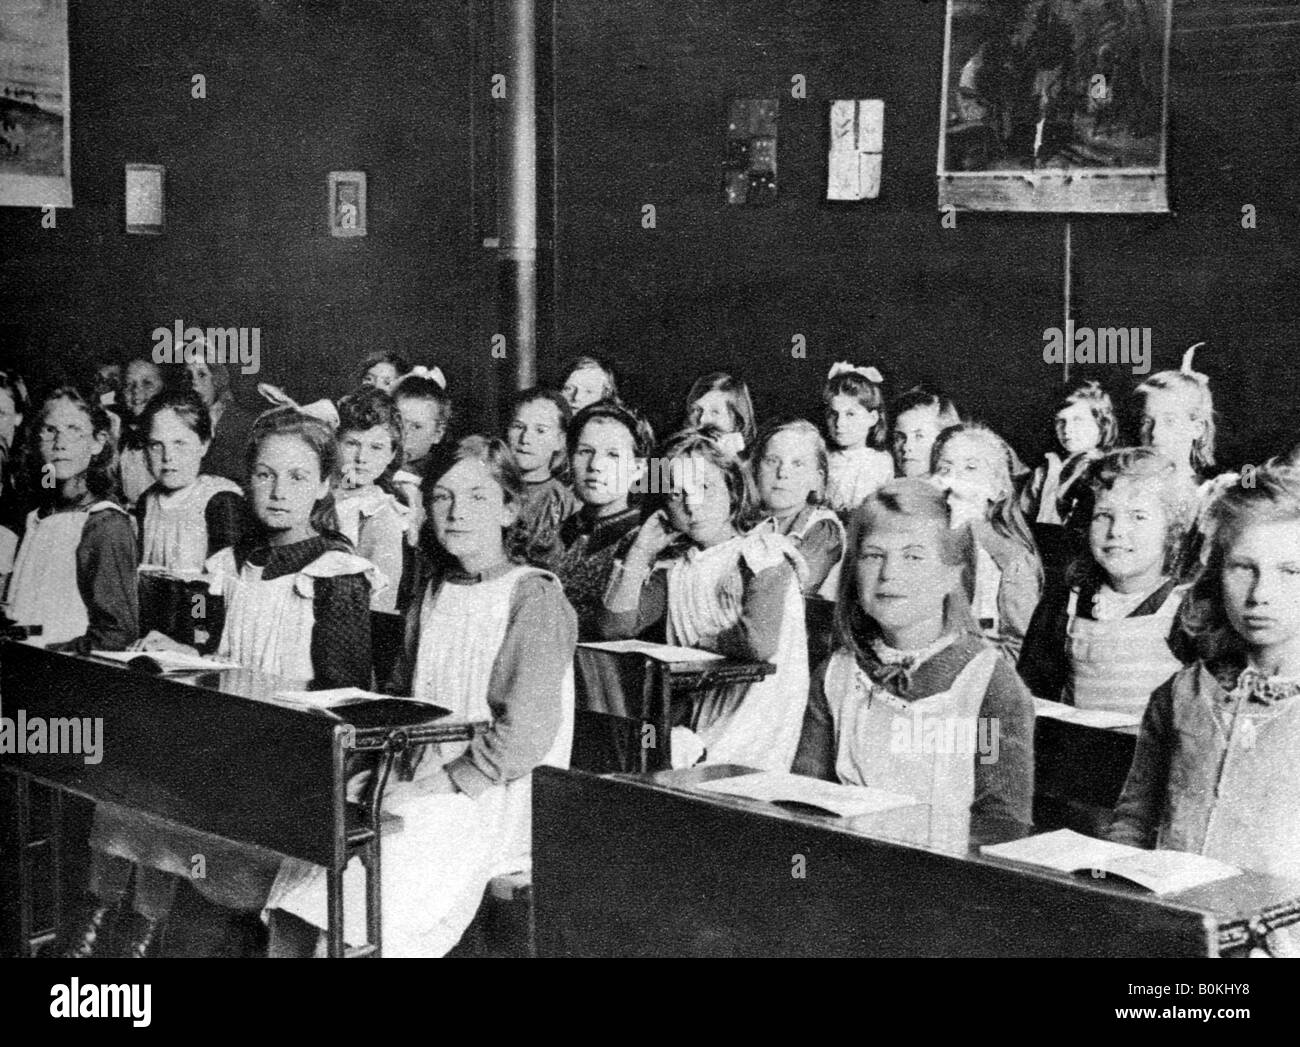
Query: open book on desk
{"points": [[660, 652], [847, 801], [1161, 872], [167, 661], [1103, 718], [173, 573], [366, 708]]}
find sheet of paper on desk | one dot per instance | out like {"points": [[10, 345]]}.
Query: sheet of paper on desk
{"points": [[661, 652], [170, 661], [1104, 718], [331, 698], [1162, 872], [173, 573], [776, 787]]}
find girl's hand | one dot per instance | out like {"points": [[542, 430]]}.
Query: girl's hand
{"points": [[157, 641], [656, 535]]}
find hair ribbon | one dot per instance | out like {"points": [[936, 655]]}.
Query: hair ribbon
{"points": [[844, 367], [434, 374]]}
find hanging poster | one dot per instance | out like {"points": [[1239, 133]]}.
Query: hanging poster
{"points": [[1055, 105], [35, 128]]}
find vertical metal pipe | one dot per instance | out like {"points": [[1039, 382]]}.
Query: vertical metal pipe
{"points": [[518, 250]]}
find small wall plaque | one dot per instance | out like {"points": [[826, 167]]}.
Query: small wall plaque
{"points": [[347, 203], [144, 198]]}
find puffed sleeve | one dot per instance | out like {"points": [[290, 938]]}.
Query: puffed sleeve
{"points": [[106, 579], [526, 688]]}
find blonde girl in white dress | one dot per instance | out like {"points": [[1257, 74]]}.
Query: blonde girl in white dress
{"points": [[719, 588], [490, 639], [857, 427]]}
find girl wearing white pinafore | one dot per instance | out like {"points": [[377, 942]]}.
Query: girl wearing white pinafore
{"points": [[476, 636], [705, 593], [175, 527]]}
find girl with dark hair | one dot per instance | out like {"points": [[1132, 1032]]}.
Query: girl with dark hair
{"points": [[694, 566], [722, 402], [537, 437]]}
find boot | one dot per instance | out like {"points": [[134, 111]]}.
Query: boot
{"points": [[93, 934], [144, 939]]}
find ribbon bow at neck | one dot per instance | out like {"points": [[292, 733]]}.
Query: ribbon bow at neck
{"points": [[844, 367], [1257, 687]]}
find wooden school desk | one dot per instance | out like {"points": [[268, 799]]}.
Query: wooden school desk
{"points": [[213, 751], [1079, 772], [641, 866], [619, 695]]}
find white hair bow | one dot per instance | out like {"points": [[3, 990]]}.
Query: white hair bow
{"points": [[433, 373], [844, 367], [322, 410], [1186, 367]]}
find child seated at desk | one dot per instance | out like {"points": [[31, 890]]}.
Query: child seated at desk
{"points": [[724, 590], [186, 516], [295, 602], [490, 639], [910, 660], [75, 572], [1215, 770], [1110, 638]]}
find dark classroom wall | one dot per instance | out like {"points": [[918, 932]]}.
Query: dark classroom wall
{"points": [[642, 94], [299, 87], [295, 89]]}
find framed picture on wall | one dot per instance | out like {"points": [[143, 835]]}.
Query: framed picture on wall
{"points": [[1055, 105], [144, 198], [347, 199], [35, 105]]}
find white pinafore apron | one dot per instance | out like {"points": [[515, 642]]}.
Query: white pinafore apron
{"points": [[450, 845], [756, 724], [1233, 793], [1116, 664], [43, 590], [830, 587], [923, 748], [268, 628], [175, 533], [355, 511], [133, 471]]}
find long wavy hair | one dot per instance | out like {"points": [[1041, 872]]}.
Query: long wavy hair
{"points": [[1201, 400], [1177, 496], [101, 476], [496, 455], [925, 507], [1274, 497], [703, 444]]}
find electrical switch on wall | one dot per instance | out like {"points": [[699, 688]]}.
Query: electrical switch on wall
{"points": [[749, 172], [857, 144]]}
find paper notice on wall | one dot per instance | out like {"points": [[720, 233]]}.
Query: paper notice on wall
{"points": [[857, 140]]}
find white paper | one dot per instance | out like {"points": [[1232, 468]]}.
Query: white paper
{"points": [[1103, 718], [1162, 872], [327, 699], [661, 652], [871, 125], [178, 574], [773, 786], [171, 661]]}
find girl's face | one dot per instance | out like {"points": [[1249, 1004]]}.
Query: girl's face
{"points": [[1169, 425], [537, 438], [605, 465], [913, 438], [714, 408], [1127, 535], [174, 451], [470, 511], [364, 455], [965, 471], [849, 422], [1077, 430], [286, 484], [699, 504], [1261, 588], [143, 382], [10, 419], [382, 375], [902, 580], [584, 386], [422, 426], [201, 381], [68, 440], [788, 473]]}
